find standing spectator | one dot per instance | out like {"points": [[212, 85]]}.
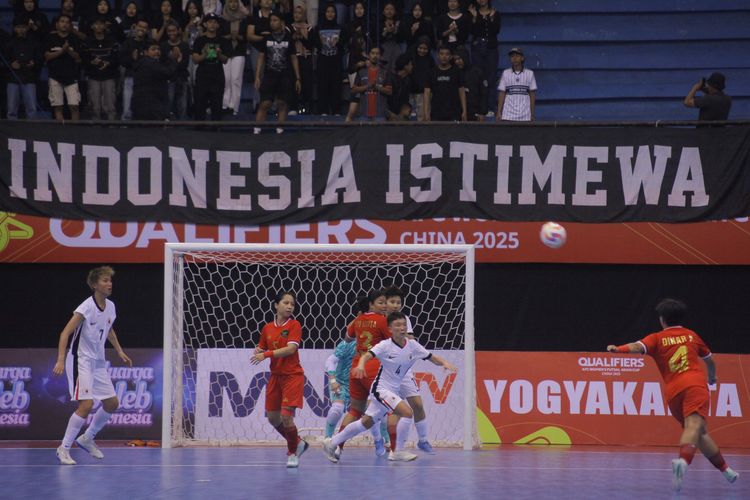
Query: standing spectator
{"points": [[22, 51], [63, 56], [358, 29], [192, 28], [389, 35], [212, 7], [111, 25], [100, 56], [329, 39], [161, 20], [68, 8], [399, 108], [485, 27], [177, 50], [444, 96], [301, 34], [714, 104], [127, 19], [130, 52], [235, 29], [475, 85], [453, 27], [277, 76], [373, 85], [516, 98], [209, 54], [150, 83], [423, 64], [311, 12], [38, 22], [416, 26], [257, 30], [357, 61]]}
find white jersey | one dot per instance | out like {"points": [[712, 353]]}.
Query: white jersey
{"points": [[395, 361], [517, 87], [409, 328], [91, 335]]}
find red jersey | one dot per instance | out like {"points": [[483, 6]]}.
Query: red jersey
{"points": [[676, 351], [369, 329], [274, 336]]}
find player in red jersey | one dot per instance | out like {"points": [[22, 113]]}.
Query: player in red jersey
{"points": [[280, 340], [368, 328], [677, 352]]}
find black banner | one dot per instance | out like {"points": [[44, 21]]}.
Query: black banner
{"points": [[408, 172]]}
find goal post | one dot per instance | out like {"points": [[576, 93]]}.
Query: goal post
{"points": [[217, 297]]}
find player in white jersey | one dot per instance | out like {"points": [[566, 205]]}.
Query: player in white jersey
{"points": [[398, 428], [397, 355], [85, 364], [516, 98]]}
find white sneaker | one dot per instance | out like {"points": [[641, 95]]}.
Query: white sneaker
{"points": [[329, 450], [88, 444], [292, 461], [730, 475], [679, 467], [63, 454], [401, 456], [256, 130]]}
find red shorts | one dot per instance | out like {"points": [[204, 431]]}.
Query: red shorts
{"points": [[695, 399], [285, 390], [359, 388]]}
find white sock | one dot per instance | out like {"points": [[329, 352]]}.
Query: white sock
{"points": [[422, 429], [74, 427], [376, 432], [351, 430], [402, 432], [334, 414], [101, 418]]}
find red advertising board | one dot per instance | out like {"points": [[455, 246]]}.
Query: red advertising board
{"points": [[598, 398], [36, 239]]}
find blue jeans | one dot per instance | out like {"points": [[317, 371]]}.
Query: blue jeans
{"points": [[177, 95], [127, 98], [15, 92]]}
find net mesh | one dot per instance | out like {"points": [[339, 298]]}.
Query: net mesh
{"points": [[221, 300]]}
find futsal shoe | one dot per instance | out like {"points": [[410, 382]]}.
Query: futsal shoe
{"points": [[329, 450], [426, 447], [88, 444], [679, 467], [730, 475], [302, 447], [292, 461], [379, 447], [401, 456], [63, 454]]}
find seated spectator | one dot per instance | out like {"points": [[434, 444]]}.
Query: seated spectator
{"points": [[301, 34], [38, 23], [485, 28], [416, 26], [208, 54], [475, 86], [130, 52], [277, 75], [444, 95], [22, 51], [389, 35], [516, 98], [330, 39], [150, 79], [234, 29], [63, 56], [101, 61], [453, 27], [176, 49], [161, 20], [714, 104], [399, 108], [373, 85], [423, 64]]}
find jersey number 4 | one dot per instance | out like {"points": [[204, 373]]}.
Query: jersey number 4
{"points": [[678, 363]]}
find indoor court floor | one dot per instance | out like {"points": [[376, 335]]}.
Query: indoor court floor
{"points": [[508, 471]]}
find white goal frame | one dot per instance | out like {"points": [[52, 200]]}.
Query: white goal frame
{"points": [[172, 386]]}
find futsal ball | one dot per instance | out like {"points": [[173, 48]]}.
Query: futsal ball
{"points": [[553, 234]]}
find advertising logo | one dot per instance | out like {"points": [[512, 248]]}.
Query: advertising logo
{"points": [[14, 398], [12, 229], [134, 394]]}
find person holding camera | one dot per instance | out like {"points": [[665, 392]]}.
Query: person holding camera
{"points": [[714, 104]]}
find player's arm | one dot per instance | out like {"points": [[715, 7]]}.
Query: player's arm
{"points": [[332, 363], [631, 348], [427, 103], [532, 102], [437, 360], [281, 352], [112, 337], [711, 367], [73, 323], [359, 371], [500, 104]]}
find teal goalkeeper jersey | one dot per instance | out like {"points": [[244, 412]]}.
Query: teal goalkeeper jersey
{"points": [[345, 351]]}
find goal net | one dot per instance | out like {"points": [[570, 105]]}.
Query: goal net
{"points": [[217, 297]]}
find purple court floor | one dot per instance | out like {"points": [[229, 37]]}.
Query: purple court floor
{"points": [[259, 472]]}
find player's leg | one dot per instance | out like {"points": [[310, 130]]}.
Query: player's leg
{"points": [[80, 385], [690, 407], [404, 411], [104, 391], [395, 429], [273, 405], [711, 451], [292, 389], [335, 413]]}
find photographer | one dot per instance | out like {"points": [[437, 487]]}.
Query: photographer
{"points": [[715, 104]]}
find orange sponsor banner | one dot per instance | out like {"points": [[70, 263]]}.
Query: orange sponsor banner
{"points": [[598, 398], [38, 239]]}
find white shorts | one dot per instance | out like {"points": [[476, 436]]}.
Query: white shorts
{"points": [[59, 92], [382, 402], [409, 387], [93, 381]]}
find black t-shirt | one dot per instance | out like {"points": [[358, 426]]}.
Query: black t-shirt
{"points": [[262, 24], [713, 106], [211, 66], [64, 69], [239, 47], [278, 49], [400, 93], [444, 85]]}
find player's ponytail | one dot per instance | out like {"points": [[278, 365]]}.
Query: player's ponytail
{"points": [[362, 305]]}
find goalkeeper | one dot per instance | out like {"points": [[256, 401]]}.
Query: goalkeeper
{"points": [[338, 366]]}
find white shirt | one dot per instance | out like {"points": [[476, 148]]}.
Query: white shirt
{"points": [[91, 335], [395, 361], [517, 86]]}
